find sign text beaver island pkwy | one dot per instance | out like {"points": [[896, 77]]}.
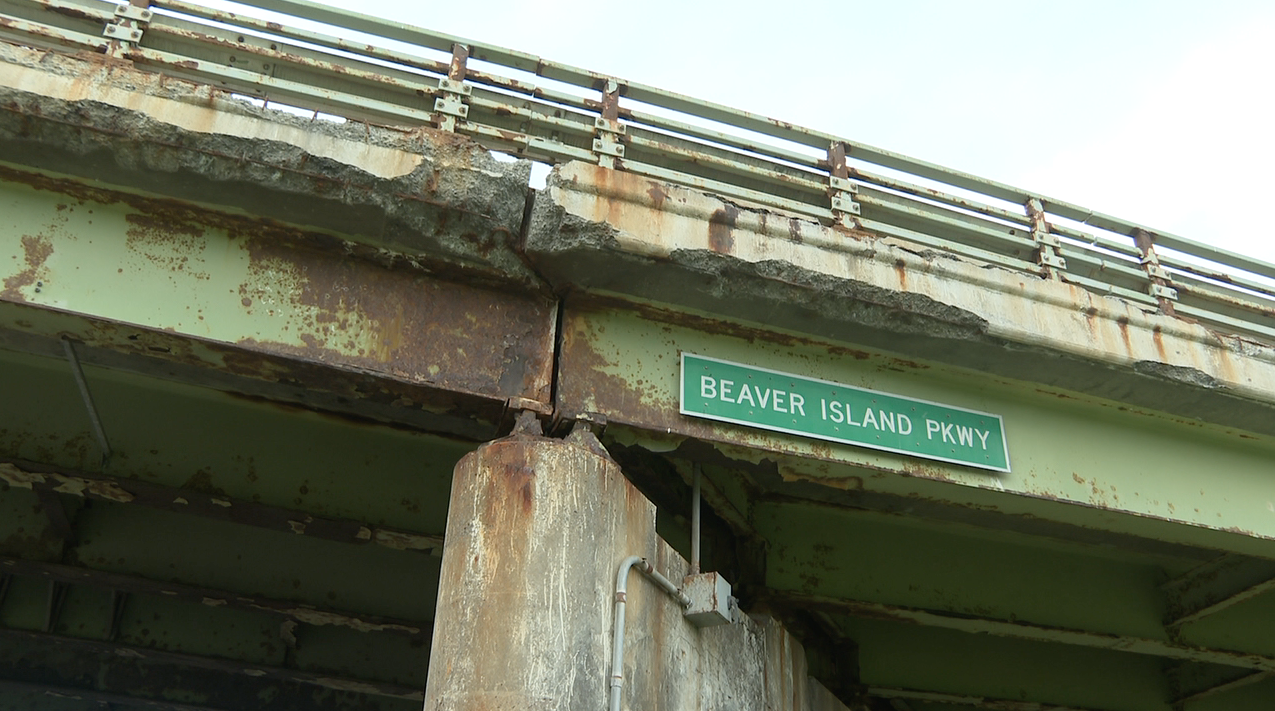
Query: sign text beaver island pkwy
{"points": [[782, 402]]}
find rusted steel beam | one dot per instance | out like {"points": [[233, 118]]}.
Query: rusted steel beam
{"points": [[1190, 682], [977, 702], [74, 575], [56, 513], [937, 511], [53, 604], [94, 648], [359, 89], [154, 353], [1020, 630], [1251, 678], [106, 698], [1216, 586], [40, 477], [621, 362], [408, 283], [1161, 284]]}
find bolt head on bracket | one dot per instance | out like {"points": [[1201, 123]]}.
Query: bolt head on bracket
{"points": [[133, 12], [845, 203], [451, 107], [609, 148], [122, 32], [843, 184], [609, 126], [452, 86], [1048, 259]]}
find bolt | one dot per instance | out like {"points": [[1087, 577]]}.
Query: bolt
{"points": [[39, 283]]}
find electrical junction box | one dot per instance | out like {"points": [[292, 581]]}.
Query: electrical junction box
{"points": [[711, 603]]}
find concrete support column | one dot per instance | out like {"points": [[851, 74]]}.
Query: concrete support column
{"points": [[535, 530]]}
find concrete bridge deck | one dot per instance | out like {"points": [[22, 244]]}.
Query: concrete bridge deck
{"points": [[338, 413]]}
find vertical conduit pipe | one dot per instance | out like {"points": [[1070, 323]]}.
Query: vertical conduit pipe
{"points": [[621, 585], [83, 384], [695, 521]]}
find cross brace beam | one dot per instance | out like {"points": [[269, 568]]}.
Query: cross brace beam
{"points": [[977, 702], [101, 697], [39, 477], [1189, 682], [121, 654], [1023, 631], [1215, 586], [307, 614]]}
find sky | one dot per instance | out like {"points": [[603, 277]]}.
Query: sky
{"points": [[1161, 112]]}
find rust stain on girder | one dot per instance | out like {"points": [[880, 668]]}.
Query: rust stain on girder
{"points": [[167, 245], [598, 381], [720, 225], [339, 303], [355, 397], [36, 250], [418, 328]]}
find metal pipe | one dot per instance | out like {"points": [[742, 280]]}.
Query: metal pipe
{"points": [[78, 372], [695, 520], [621, 593]]}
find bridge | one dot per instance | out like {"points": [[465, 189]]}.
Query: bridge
{"points": [[309, 400]]}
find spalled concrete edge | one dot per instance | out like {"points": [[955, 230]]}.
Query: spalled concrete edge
{"points": [[436, 197], [608, 231]]}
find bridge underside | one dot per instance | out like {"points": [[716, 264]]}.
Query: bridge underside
{"points": [[241, 355]]}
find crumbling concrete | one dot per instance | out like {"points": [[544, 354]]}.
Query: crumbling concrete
{"points": [[435, 197], [607, 231]]}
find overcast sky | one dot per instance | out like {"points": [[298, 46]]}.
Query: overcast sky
{"points": [[1158, 111]]}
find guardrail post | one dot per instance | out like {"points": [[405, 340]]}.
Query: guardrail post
{"points": [[1048, 249], [841, 190], [453, 90], [126, 29], [608, 144], [1160, 278]]}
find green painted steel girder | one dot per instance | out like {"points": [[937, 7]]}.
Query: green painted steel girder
{"points": [[1079, 461]]}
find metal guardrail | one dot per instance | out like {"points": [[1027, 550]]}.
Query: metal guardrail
{"points": [[484, 92]]}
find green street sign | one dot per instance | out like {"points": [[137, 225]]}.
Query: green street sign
{"points": [[782, 402]]}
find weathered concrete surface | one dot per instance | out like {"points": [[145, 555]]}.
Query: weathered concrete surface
{"points": [[431, 196], [536, 531], [610, 231]]}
